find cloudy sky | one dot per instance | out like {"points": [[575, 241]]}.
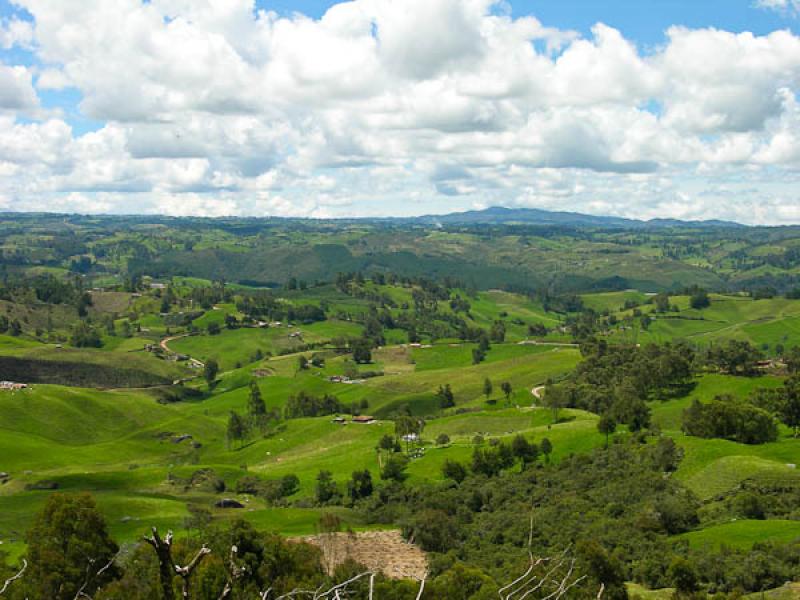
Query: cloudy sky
{"points": [[640, 108]]}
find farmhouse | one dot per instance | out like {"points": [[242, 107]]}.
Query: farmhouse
{"points": [[364, 420], [338, 420]]}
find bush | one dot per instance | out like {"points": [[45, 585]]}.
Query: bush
{"points": [[730, 419], [454, 470], [394, 468]]}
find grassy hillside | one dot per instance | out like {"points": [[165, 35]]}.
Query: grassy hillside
{"points": [[121, 444]]}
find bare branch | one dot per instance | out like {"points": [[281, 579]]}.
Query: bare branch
{"points": [[235, 572], [320, 593], [186, 572], [554, 584], [421, 586], [166, 566], [11, 580], [81, 593], [188, 569], [341, 586]]}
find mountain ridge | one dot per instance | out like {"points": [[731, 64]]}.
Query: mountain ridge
{"points": [[503, 215]]}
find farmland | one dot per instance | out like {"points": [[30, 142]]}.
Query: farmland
{"points": [[170, 396]]}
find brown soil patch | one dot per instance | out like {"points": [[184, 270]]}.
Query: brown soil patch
{"points": [[384, 551], [395, 359]]}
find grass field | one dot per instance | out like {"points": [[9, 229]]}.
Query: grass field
{"points": [[130, 451], [744, 533], [711, 467], [764, 323], [121, 444]]}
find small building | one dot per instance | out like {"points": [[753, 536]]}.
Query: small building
{"points": [[339, 420], [364, 420], [411, 437], [13, 386]]}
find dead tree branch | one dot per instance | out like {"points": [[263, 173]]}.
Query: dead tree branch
{"points": [[422, 586], [167, 569], [81, 593], [555, 583], [334, 593], [185, 573], [16, 577], [235, 572]]}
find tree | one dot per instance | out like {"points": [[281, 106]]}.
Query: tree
{"points": [[478, 356], [445, 396], [405, 427], [362, 354], [69, 549], [629, 407], [395, 467], [555, 399], [487, 388], [790, 409], [792, 359], [454, 470], [302, 363], [492, 460], [210, 371], [735, 357], [699, 299], [442, 439], [682, 575], [236, 428], [213, 328], [83, 336], [728, 418], [661, 302], [16, 328], [524, 450], [255, 403], [498, 332], [547, 448], [387, 443], [507, 389], [607, 426], [360, 485], [326, 490]]}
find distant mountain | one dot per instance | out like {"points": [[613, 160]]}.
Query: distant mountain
{"points": [[498, 215]]}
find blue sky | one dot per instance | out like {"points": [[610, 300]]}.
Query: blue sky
{"points": [[382, 107], [642, 20]]}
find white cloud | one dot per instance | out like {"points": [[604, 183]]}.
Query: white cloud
{"points": [[785, 6], [16, 89], [380, 106]]}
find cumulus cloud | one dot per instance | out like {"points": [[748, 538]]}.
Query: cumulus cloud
{"points": [[16, 89], [382, 107]]}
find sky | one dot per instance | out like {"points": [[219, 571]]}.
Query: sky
{"points": [[638, 108]]}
